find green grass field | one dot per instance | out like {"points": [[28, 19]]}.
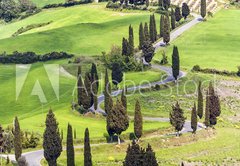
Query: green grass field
{"points": [[212, 44], [82, 30]]}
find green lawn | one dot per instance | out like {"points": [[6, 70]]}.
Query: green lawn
{"points": [[211, 44], [83, 30]]}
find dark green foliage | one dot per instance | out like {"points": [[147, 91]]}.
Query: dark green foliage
{"points": [[177, 118], [131, 41], [67, 4], [166, 30], [200, 101], [9, 9], [207, 111], [22, 161], [138, 121], [125, 47], [203, 8], [1, 139], [160, 4], [107, 93], [178, 15], [152, 29], [117, 74], [164, 59], [194, 119], [109, 119], [52, 143], [185, 10], [94, 74], [173, 19], [146, 32], [80, 87], [87, 95], [95, 94], [87, 149], [147, 3], [148, 51], [175, 63], [118, 119], [161, 25], [70, 147], [61, 134], [17, 139], [75, 134], [166, 4], [141, 36], [149, 157], [124, 98]]}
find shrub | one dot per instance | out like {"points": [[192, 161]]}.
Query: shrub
{"points": [[67, 4], [213, 71], [164, 60]]}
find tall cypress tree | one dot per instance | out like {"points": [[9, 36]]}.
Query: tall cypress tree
{"points": [[107, 93], [149, 157], [117, 74], [178, 15], [166, 4], [138, 121], [166, 30], [200, 101], [109, 119], [95, 95], [207, 111], [87, 149], [151, 29], [52, 143], [134, 156], [87, 95], [80, 87], [185, 10], [203, 8], [94, 74], [70, 147], [146, 32], [175, 63], [131, 41], [161, 25], [141, 36], [124, 98], [194, 119], [177, 118], [125, 47], [17, 139], [173, 19], [148, 51]]}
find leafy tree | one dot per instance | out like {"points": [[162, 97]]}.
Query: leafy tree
{"points": [[107, 93], [138, 120], [175, 63], [185, 10], [161, 25], [117, 74], [141, 36], [200, 101], [203, 8], [166, 30], [87, 95], [177, 118], [178, 15], [194, 119], [149, 157], [148, 51], [124, 98], [134, 156], [146, 32], [52, 143], [87, 149], [17, 139], [70, 147], [173, 19], [131, 41], [80, 87], [125, 47]]}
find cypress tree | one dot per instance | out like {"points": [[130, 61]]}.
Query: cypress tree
{"points": [[124, 98], [166, 4], [161, 25], [52, 143], [177, 118], [125, 47], [175, 63], [94, 74], [75, 134], [134, 156], [185, 10], [141, 36], [117, 74], [154, 28], [107, 93], [70, 147], [148, 51], [173, 19], [17, 139], [149, 157], [203, 8], [138, 121], [87, 149], [131, 41], [166, 30], [87, 95], [146, 32], [200, 101], [151, 29], [80, 86], [109, 119], [207, 111], [95, 95], [194, 119], [178, 15]]}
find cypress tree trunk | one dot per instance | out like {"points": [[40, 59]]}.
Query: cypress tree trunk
{"points": [[87, 149], [70, 147]]}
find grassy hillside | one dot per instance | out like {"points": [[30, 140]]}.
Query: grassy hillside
{"points": [[85, 29], [212, 44]]}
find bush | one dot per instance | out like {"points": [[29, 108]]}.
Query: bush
{"points": [[112, 5], [67, 4], [30, 140], [214, 71], [164, 60]]}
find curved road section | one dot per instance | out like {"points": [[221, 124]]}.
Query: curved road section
{"points": [[34, 158]]}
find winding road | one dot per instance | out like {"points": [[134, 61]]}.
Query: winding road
{"points": [[34, 157]]}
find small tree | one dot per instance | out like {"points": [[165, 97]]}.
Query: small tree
{"points": [[124, 98], [178, 15], [141, 36], [134, 156], [175, 63], [200, 101], [194, 119], [94, 74], [87, 149], [148, 51], [125, 47], [131, 41], [95, 95], [177, 118], [203, 8], [138, 121], [166, 30], [161, 25], [117, 74], [153, 29], [87, 95], [146, 32], [149, 157], [107, 93], [207, 111], [80, 87], [17, 139], [52, 143], [185, 10], [70, 147], [173, 19]]}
